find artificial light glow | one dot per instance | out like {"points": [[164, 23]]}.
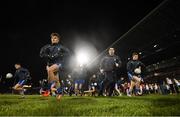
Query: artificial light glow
{"points": [[82, 58], [84, 53]]}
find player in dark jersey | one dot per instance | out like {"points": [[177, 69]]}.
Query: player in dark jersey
{"points": [[109, 65], [23, 75], [54, 54], [135, 70]]}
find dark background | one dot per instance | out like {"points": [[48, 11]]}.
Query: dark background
{"points": [[26, 26]]}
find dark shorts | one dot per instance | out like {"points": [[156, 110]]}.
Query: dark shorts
{"points": [[59, 90], [130, 76], [21, 82]]}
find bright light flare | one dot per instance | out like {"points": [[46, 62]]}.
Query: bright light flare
{"points": [[82, 58], [84, 52]]}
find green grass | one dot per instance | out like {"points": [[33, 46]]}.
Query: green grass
{"points": [[35, 105]]}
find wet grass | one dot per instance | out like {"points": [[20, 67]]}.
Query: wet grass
{"points": [[35, 105]]}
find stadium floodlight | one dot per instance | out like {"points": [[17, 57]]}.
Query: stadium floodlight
{"points": [[84, 52], [82, 58]]}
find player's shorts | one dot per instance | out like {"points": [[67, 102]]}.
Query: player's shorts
{"points": [[22, 82], [59, 90], [130, 76]]}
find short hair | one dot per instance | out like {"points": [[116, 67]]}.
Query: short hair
{"points": [[111, 48], [18, 63], [55, 34], [134, 53]]}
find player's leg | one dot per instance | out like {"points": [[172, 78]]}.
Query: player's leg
{"points": [[117, 89], [76, 88], [131, 87], [59, 91], [132, 83], [52, 70], [19, 87], [137, 81], [81, 83], [53, 88]]}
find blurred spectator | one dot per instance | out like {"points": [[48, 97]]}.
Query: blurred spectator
{"points": [[151, 88], [161, 84], [155, 88], [147, 89], [171, 86], [176, 85]]}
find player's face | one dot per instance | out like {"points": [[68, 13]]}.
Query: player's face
{"points": [[17, 66], [54, 39], [135, 57], [111, 51]]}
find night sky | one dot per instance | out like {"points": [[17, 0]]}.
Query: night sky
{"points": [[27, 25]]}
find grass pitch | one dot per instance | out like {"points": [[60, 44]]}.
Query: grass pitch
{"points": [[35, 105]]}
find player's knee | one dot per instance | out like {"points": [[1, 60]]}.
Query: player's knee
{"points": [[15, 87], [50, 69], [53, 89]]}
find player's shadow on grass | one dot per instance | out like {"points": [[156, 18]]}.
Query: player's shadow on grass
{"points": [[166, 102], [165, 106]]}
